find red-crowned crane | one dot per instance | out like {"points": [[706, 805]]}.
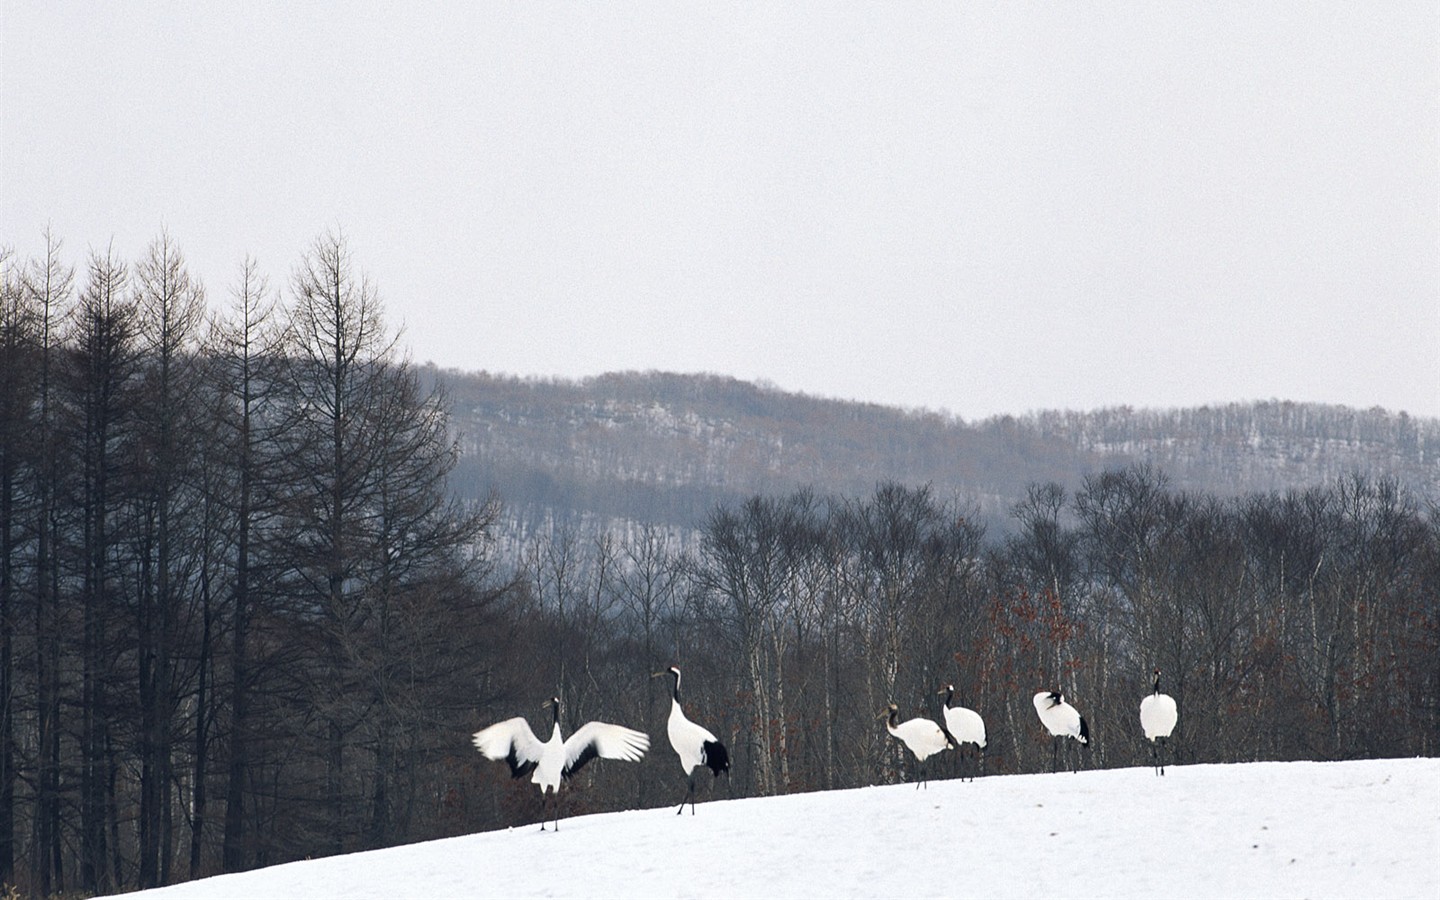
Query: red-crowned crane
{"points": [[923, 736], [1158, 715], [1062, 720], [694, 744], [513, 741], [964, 727]]}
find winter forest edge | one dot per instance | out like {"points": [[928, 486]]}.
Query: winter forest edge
{"points": [[255, 593]]}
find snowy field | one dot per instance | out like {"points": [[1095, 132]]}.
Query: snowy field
{"points": [[1355, 829]]}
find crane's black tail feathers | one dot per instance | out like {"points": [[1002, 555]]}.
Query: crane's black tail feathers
{"points": [[715, 757]]}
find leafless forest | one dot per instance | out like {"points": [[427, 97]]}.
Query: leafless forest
{"points": [[245, 618]]}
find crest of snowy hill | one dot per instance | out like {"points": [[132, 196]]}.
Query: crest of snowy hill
{"points": [[664, 449], [1296, 829]]}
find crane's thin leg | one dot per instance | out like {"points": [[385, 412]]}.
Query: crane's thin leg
{"points": [[689, 796], [554, 801], [1054, 755]]}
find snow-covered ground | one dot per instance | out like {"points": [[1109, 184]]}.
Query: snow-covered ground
{"points": [[1354, 829]]}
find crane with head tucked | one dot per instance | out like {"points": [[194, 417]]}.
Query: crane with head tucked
{"points": [[923, 737], [1062, 720], [1158, 716]]}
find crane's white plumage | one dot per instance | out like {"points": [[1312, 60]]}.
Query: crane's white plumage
{"points": [[923, 737], [1158, 717], [1060, 719], [548, 762], [965, 726], [693, 743]]}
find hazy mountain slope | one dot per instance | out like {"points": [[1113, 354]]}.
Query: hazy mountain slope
{"points": [[1272, 445], [665, 448]]}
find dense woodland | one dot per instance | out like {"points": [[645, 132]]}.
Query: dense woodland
{"points": [[232, 576], [244, 617]]}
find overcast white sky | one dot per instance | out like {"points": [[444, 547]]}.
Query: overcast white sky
{"points": [[976, 207]]}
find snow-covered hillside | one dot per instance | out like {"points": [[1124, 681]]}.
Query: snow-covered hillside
{"points": [[1354, 829]]}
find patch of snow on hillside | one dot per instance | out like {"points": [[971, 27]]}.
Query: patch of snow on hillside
{"points": [[1353, 829]]}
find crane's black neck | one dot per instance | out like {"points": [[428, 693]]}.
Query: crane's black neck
{"points": [[555, 710], [894, 717], [675, 691], [949, 695], [1157, 681]]}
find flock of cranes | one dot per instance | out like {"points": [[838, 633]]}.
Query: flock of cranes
{"points": [[550, 761]]}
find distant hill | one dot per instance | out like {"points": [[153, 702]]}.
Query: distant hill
{"points": [[664, 449]]}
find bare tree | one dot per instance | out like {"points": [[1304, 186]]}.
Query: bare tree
{"points": [[18, 381], [170, 308], [245, 351], [339, 358], [650, 583], [741, 569], [369, 530], [101, 399], [48, 285]]}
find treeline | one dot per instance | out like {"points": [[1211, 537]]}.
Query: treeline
{"points": [[230, 573], [1303, 625], [1399, 434], [1265, 446]]}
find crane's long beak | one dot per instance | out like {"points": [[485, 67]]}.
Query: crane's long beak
{"points": [[658, 674]]}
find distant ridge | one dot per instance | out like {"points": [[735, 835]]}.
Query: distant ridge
{"points": [[665, 448]]}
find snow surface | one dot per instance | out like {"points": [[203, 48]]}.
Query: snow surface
{"points": [[1299, 829]]}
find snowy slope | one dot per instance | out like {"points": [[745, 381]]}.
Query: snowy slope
{"points": [[1355, 829]]}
